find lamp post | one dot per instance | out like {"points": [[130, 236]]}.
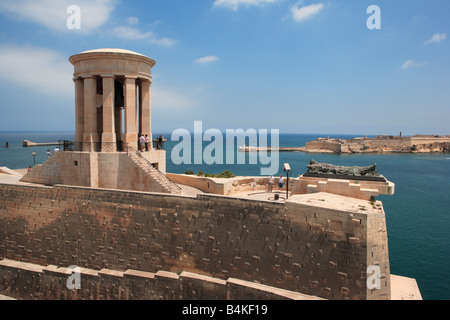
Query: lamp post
{"points": [[34, 158], [287, 169]]}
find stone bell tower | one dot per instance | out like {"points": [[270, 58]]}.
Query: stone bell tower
{"points": [[112, 98], [112, 109]]}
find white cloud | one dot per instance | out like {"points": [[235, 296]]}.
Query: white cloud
{"points": [[412, 64], [436, 38], [207, 59], [235, 4], [302, 13], [93, 14], [129, 33], [133, 20], [171, 99], [41, 69], [53, 13]]}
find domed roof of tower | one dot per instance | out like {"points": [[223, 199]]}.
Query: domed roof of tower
{"points": [[99, 53], [112, 50]]}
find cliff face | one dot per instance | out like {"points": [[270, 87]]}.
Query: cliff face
{"points": [[432, 147]]}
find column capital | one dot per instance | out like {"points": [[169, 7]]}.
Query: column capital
{"points": [[88, 76], [107, 75], [145, 80]]}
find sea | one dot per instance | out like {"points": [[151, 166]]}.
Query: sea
{"points": [[417, 215]]}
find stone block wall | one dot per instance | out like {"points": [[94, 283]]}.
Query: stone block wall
{"points": [[399, 144], [361, 189], [231, 186], [26, 281], [301, 245], [333, 146]]}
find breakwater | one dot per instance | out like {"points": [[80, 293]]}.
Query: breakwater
{"points": [[28, 143]]}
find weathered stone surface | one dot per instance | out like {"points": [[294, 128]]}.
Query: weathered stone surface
{"points": [[302, 249]]}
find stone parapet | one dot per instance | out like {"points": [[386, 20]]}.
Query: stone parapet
{"points": [[27, 281], [360, 189]]}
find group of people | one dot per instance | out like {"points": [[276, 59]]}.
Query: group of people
{"points": [[143, 142], [271, 182], [49, 153]]}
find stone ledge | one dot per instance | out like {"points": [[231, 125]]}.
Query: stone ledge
{"points": [[256, 289], [403, 288]]}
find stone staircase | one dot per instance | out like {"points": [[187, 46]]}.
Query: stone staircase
{"points": [[160, 177]]}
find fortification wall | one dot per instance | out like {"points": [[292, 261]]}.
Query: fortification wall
{"points": [[323, 145], [317, 244], [227, 186], [399, 144], [360, 189], [28, 281], [429, 140]]}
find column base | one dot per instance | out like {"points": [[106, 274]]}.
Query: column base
{"points": [[131, 140], [109, 142], [78, 138], [90, 142]]}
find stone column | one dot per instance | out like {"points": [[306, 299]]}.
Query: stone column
{"points": [[139, 105], [90, 136], [146, 109], [79, 110], [118, 123], [131, 136], [108, 134]]}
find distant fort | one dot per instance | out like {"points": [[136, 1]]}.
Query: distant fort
{"points": [[379, 144], [417, 143]]}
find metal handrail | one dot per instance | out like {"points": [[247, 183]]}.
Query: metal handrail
{"points": [[163, 179], [92, 146]]}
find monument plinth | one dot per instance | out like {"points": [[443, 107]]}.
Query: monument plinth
{"points": [[351, 181]]}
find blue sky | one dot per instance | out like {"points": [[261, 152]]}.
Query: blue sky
{"points": [[308, 66]]}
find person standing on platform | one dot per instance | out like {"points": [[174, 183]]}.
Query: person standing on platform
{"points": [[270, 183], [281, 182], [141, 142], [146, 142]]}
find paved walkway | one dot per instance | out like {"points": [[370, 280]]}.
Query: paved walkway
{"points": [[190, 191], [276, 196], [12, 176]]}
